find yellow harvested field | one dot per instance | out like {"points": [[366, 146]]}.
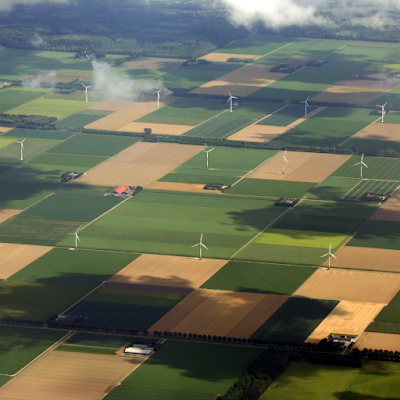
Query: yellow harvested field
{"points": [[161, 64], [366, 258], [241, 82], [220, 313], [301, 167], [347, 318], [140, 165], [4, 129], [223, 57], [394, 200], [151, 269], [339, 284], [387, 213], [163, 129], [258, 133], [180, 187], [111, 105], [379, 131], [14, 257], [378, 341], [6, 213], [61, 375], [373, 80], [348, 95]]}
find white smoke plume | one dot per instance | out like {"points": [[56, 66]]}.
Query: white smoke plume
{"points": [[37, 40], [8, 5], [46, 79]]}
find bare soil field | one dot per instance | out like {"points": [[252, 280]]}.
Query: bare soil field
{"points": [[347, 318], [378, 131], [161, 64], [14, 257], [220, 313], [181, 187], [59, 76], [6, 213], [65, 375], [4, 129], [223, 57], [348, 95], [151, 269], [386, 213], [366, 258], [338, 284], [378, 341], [394, 200], [371, 80], [141, 164], [163, 129], [111, 105], [301, 167], [242, 81]]}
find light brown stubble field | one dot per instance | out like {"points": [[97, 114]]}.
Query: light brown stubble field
{"points": [[394, 200], [181, 187], [386, 213], [348, 95], [162, 129], [379, 131], [223, 57], [379, 341], [4, 129], [6, 213], [161, 64]]}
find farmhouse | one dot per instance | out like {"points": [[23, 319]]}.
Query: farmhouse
{"points": [[139, 349]]}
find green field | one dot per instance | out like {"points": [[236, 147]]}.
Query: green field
{"points": [[170, 223], [32, 148], [15, 97], [332, 188], [339, 124], [258, 278], [180, 371], [372, 186], [38, 134], [85, 349], [391, 97], [383, 67], [78, 120], [219, 127], [253, 110], [5, 142], [94, 145], [81, 268], [286, 115], [295, 320], [364, 145], [98, 340], [19, 346], [388, 318]]}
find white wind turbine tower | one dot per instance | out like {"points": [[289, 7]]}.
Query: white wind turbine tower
{"points": [[383, 109], [283, 161], [306, 105], [200, 244], [22, 146], [329, 254], [230, 101], [208, 151], [76, 237], [158, 96], [361, 165], [86, 90]]}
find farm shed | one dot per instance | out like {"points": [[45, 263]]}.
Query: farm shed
{"points": [[139, 350]]}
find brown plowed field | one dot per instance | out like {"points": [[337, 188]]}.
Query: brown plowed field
{"points": [[347, 318], [378, 341], [60, 76], [223, 57], [241, 82], [379, 131], [111, 105], [61, 375], [4, 129], [348, 95], [161, 64], [141, 164], [151, 269], [378, 81], [338, 284], [163, 129], [301, 167], [6, 213], [221, 313], [181, 187], [366, 258], [14, 257], [394, 200], [387, 213]]}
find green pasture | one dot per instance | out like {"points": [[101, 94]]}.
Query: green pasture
{"points": [[19, 196], [384, 327], [307, 381], [77, 120], [332, 188], [295, 320], [186, 371], [392, 98], [85, 349], [40, 231], [219, 127], [338, 125], [94, 145], [17, 64], [21, 133], [98, 340], [372, 186], [141, 73], [4, 379], [253, 110], [286, 115], [52, 108], [383, 67], [20, 346], [259, 278], [86, 268], [37, 301], [5, 142], [365, 145], [392, 118], [199, 176], [32, 148], [8, 163], [267, 188], [14, 97], [171, 223], [390, 313]]}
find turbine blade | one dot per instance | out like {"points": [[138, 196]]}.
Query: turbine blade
{"points": [[365, 165], [334, 256], [195, 245], [204, 246], [201, 238], [324, 255], [385, 104]]}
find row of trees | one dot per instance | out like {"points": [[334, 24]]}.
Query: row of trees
{"points": [[27, 121]]}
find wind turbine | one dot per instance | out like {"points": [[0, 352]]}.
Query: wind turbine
{"points": [[283, 161], [208, 151], [22, 146], [230, 101], [383, 109], [86, 91], [361, 164], [158, 96], [329, 254], [76, 237], [200, 244], [306, 105]]}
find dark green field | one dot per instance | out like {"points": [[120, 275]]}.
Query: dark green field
{"points": [[386, 188], [13, 98], [38, 134], [258, 278], [98, 340], [180, 371], [85, 349], [77, 120], [219, 127], [32, 148], [332, 188], [286, 116], [295, 320], [364, 145]]}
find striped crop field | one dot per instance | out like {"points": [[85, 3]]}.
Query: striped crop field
{"points": [[372, 186], [285, 116], [219, 127]]}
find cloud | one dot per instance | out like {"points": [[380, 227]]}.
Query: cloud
{"points": [[37, 40], [46, 79], [8, 5]]}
